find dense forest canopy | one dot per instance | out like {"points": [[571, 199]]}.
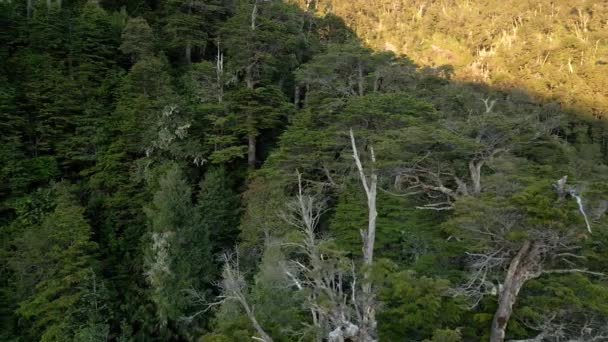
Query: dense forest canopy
{"points": [[237, 170]]}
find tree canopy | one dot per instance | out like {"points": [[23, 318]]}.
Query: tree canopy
{"points": [[237, 170]]}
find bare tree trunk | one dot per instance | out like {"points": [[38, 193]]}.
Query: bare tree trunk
{"points": [[249, 76], [368, 236], [524, 266], [29, 8], [368, 253], [265, 337], [475, 172], [370, 188], [254, 14], [233, 288], [219, 73], [48, 4], [377, 82]]}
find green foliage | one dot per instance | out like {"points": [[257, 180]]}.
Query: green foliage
{"points": [[52, 262], [266, 49], [446, 335], [137, 39], [416, 308], [178, 259], [219, 208], [405, 235], [148, 109]]}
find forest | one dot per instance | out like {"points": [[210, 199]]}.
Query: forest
{"points": [[304, 170]]}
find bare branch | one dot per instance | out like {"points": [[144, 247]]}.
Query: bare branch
{"points": [[573, 270]]}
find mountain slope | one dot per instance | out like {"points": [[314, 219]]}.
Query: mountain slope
{"points": [[557, 50]]}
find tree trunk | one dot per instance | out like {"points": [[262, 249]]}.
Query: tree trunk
{"points": [[368, 328], [360, 78], [259, 328], [306, 96], [249, 76], [377, 82], [475, 171], [254, 13], [368, 252], [523, 267], [219, 74], [249, 311], [251, 150], [369, 308], [188, 53], [296, 96], [29, 9]]}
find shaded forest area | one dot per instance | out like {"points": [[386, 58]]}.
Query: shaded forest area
{"points": [[236, 170]]}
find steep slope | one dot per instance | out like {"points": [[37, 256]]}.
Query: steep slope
{"points": [[554, 49]]}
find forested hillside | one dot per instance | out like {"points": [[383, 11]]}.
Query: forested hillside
{"points": [[238, 170], [555, 50]]}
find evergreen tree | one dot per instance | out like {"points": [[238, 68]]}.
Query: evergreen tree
{"points": [[137, 39], [179, 259], [219, 208], [251, 112], [185, 26], [52, 262], [479, 233]]}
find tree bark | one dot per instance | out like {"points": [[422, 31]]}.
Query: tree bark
{"points": [[524, 266], [29, 9]]}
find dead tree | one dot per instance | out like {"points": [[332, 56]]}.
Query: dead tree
{"points": [[558, 326], [563, 191], [370, 184], [233, 287], [329, 278], [219, 73]]}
